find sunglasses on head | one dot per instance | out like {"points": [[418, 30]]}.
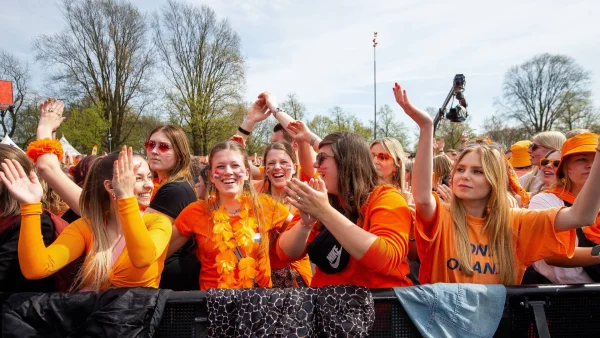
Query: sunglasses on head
{"points": [[544, 162], [381, 156], [322, 157], [162, 146]]}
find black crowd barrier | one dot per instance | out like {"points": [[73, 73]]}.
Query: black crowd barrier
{"points": [[529, 311]]}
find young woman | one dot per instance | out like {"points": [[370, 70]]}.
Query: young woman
{"points": [[541, 145], [11, 277], [479, 238], [361, 236], [442, 166], [232, 226], [168, 152], [280, 167], [122, 247], [572, 172], [388, 158]]}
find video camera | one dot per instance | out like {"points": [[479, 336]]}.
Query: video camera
{"points": [[459, 112]]}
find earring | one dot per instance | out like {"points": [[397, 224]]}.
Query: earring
{"points": [[114, 196]]}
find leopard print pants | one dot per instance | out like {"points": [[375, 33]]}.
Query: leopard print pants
{"points": [[332, 311]]}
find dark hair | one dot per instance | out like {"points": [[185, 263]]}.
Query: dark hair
{"points": [[82, 168], [356, 172], [196, 168], [286, 135]]}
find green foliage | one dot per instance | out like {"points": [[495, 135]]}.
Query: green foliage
{"points": [[387, 126], [85, 127]]}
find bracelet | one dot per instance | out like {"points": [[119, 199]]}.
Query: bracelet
{"points": [[38, 148], [312, 140], [275, 111], [244, 131]]}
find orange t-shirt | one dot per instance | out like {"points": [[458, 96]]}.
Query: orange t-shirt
{"points": [[77, 238], [384, 265], [534, 235], [196, 219]]}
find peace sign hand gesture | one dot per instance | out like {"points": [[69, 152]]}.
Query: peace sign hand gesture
{"points": [[124, 174], [23, 188]]}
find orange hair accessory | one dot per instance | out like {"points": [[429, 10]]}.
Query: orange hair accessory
{"points": [[38, 148]]}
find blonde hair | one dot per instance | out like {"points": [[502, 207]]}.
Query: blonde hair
{"points": [[552, 140], [442, 166], [95, 212], [213, 194], [394, 148], [497, 218]]}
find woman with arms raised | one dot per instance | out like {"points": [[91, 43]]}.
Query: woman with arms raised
{"points": [[354, 231], [478, 238], [122, 247]]}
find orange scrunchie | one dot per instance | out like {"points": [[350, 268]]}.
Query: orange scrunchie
{"points": [[38, 148]]}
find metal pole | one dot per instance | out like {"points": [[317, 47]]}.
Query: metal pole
{"points": [[374, 86], [109, 141]]}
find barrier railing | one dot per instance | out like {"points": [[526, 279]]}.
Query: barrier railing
{"points": [[529, 311]]}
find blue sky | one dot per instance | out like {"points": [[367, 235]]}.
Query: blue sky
{"points": [[321, 50]]}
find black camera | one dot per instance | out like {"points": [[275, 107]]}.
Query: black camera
{"points": [[459, 112]]}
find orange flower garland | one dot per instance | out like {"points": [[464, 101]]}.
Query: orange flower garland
{"points": [[228, 238], [38, 148]]}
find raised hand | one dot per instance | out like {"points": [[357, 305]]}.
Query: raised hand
{"points": [[270, 100], [299, 131], [124, 174], [51, 117], [419, 116], [238, 139], [24, 188], [258, 111]]}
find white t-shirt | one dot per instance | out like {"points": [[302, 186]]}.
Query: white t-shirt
{"points": [[555, 274], [537, 184]]}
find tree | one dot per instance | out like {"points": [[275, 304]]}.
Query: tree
{"points": [[18, 73], [85, 127], [538, 92], [103, 56], [339, 120], [578, 113], [499, 131], [28, 118], [294, 107], [320, 125], [203, 65], [387, 126]]}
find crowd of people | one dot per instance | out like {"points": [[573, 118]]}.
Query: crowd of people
{"points": [[308, 212]]}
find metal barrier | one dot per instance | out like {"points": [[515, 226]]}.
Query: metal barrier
{"points": [[530, 311]]}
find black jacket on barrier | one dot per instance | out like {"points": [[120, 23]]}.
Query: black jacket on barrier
{"points": [[113, 313]]}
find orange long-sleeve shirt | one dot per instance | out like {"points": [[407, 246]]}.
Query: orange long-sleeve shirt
{"points": [[384, 265], [139, 265]]}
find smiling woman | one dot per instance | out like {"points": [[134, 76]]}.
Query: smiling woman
{"points": [[233, 225]]}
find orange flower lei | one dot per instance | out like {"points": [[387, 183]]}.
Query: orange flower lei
{"points": [[38, 148], [228, 238]]}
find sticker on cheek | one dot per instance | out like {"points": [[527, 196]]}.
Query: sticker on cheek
{"points": [[288, 168], [217, 174]]}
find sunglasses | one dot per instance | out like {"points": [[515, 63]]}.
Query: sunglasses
{"points": [[381, 156], [162, 146], [322, 157], [534, 146], [544, 162]]}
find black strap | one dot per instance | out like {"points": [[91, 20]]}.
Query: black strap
{"points": [[540, 318]]}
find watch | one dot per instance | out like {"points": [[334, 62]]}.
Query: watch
{"points": [[277, 110]]}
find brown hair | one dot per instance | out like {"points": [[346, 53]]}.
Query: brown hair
{"points": [[356, 172], [181, 147], [284, 146]]}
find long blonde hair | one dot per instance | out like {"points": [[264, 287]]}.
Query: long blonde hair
{"points": [[394, 147], [552, 140], [213, 194], [497, 218]]}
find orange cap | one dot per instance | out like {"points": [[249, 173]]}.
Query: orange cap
{"points": [[520, 155], [582, 143]]}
